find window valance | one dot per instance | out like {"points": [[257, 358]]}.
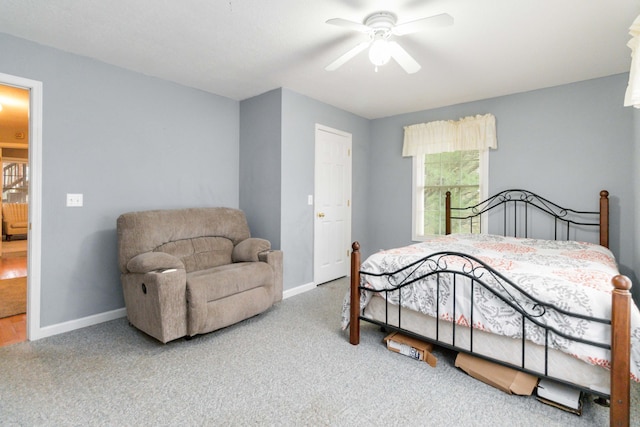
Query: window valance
{"points": [[632, 96], [468, 133]]}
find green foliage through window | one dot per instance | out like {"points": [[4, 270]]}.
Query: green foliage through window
{"points": [[459, 173]]}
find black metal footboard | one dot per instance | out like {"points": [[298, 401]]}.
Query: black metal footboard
{"points": [[479, 280]]}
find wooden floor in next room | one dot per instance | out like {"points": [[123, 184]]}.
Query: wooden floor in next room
{"points": [[13, 263]]}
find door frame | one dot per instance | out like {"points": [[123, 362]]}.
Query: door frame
{"points": [[34, 243], [348, 192]]}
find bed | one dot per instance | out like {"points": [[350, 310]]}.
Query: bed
{"points": [[555, 307]]}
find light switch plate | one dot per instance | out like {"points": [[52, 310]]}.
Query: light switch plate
{"points": [[74, 200]]}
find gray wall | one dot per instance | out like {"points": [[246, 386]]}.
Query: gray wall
{"points": [[288, 129], [260, 164], [299, 117], [565, 143], [127, 142]]}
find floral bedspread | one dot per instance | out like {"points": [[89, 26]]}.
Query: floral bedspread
{"points": [[574, 276]]}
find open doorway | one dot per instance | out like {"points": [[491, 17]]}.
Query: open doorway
{"points": [[34, 243], [14, 206]]}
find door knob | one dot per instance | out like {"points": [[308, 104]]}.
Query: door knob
{"points": [[320, 215]]}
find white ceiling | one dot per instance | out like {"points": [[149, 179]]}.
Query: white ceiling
{"points": [[242, 48]]}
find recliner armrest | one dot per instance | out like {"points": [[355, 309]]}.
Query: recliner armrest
{"points": [[152, 261], [274, 258], [249, 249]]}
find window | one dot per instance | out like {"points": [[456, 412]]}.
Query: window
{"points": [[463, 173], [448, 156]]}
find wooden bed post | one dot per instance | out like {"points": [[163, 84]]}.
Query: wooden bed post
{"points": [[447, 215], [620, 351], [354, 314], [604, 218]]}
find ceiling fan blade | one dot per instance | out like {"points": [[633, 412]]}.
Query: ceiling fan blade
{"points": [[435, 21], [347, 56], [405, 60], [349, 24]]}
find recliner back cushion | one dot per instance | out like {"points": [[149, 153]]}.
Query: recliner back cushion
{"points": [[145, 231], [200, 253]]}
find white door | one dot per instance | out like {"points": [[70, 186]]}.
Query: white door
{"points": [[332, 207]]}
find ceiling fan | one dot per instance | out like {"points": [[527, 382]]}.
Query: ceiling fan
{"points": [[380, 26]]}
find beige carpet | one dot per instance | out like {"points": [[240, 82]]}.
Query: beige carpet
{"points": [[13, 296], [289, 366]]}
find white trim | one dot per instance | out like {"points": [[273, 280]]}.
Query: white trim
{"points": [[34, 249], [417, 197], [107, 316], [298, 290], [484, 187], [417, 200], [83, 322]]}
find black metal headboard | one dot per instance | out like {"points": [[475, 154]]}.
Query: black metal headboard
{"points": [[518, 207]]}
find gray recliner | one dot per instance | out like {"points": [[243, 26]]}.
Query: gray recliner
{"points": [[191, 271]]}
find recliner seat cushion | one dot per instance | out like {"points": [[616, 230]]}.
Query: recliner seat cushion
{"points": [[220, 282], [209, 288]]}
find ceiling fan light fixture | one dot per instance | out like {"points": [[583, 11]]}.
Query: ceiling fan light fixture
{"points": [[379, 52], [380, 27]]}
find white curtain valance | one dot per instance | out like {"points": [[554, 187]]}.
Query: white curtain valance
{"points": [[632, 96], [469, 133]]}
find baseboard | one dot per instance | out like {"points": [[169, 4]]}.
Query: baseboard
{"points": [[298, 290], [72, 325]]}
